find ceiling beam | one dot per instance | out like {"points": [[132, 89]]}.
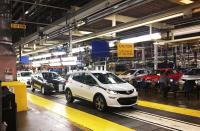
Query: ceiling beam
{"points": [[125, 19]]}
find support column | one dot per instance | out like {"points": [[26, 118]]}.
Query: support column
{"points": [[114, 24], [70, 42], [155, 56], [143, 56]]}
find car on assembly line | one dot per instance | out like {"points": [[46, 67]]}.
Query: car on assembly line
{"points": [[191, 75], [24, 77], [154, 76], [102, 88], [47, 82], [133, 74]]}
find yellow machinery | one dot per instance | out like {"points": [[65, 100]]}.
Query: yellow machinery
{"points": [[19, 89]]}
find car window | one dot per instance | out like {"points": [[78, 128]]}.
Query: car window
{"points": [[78, 77], [50, 75], [140, 72], [26, 74], [89, 80], [193, 72], [108, 78], [129, 72]]}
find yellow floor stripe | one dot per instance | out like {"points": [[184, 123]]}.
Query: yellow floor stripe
{"points": [[169, 108], [82, 118]]}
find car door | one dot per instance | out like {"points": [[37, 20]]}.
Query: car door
{"points": [[38, 81], [76, 84], [88, 86]]}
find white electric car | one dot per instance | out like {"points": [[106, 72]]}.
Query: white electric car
{"points": [[102, 88], [25, 77]]}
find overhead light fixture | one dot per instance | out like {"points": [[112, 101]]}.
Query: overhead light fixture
{"points": [[58, 53], [54, 60], [186, 1], [69, 59], [26, 12], [186, 30], [85, 32], [69, 63], [55, 64], [127, 28], [143, 38]]}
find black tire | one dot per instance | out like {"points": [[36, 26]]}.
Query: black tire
{"points": [[69, 96], [100, 103], [43, 91], [32, 88]]}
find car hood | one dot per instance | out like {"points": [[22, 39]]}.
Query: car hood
{"points": [[119, 87], [24, 78], [190, 77]]}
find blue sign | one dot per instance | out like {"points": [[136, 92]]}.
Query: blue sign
{"points": [[100, 48], [24, 60]]}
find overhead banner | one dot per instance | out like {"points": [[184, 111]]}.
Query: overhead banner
{"points": [[100, 48], [125, 50]]}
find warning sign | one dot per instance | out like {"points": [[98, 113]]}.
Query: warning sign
{"points": [[125, 50], [18, 26]]}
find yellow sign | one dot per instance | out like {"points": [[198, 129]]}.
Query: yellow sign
{"points": [[125, 50], [18, 26]]}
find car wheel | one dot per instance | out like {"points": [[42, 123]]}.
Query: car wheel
{"points": [[32, 88], [69, 97], [43, 91], [100, 103]]}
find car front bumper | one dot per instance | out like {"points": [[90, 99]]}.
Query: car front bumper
{"points": [[120, 100]]}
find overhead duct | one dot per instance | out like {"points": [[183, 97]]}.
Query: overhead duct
{"points": [[7, 54]]}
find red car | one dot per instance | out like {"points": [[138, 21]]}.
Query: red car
{"points": [[154, 76]]}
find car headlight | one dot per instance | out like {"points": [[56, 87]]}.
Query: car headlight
{"points": [[111, 92], [197, 82], [171, 80]]}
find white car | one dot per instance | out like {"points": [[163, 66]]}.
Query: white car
{"points": [[134, 74], [191, 75], [102, 88], [25, 77]]}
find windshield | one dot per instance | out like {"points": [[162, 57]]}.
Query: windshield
{"points": [[26, 74], [129, 72], [50, 75], [193, 72], [108, 78]]}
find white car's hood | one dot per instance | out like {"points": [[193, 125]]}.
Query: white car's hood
{"points": [[119, 87], [24, 78], [190, 77], [126, 77]]}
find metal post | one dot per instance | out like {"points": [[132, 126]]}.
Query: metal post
{"points": [[70, 42], [114, 24], [143, 56], [155, 56]]}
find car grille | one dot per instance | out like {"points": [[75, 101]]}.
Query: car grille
{"points": [[127, 101], [126, 92]]}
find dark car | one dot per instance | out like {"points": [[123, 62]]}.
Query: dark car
{"points": [[47, 82]]}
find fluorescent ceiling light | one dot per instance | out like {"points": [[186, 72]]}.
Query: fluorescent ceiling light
{"points": [[69, 59], [54, 60], [143, 38], [58, 53], [127, 28], [187, 30], [187, 1], [26, 12], [69, 63], [55, 64], [85, 32]]}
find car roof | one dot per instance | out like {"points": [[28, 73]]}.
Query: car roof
{"points": [[89, 71]]}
